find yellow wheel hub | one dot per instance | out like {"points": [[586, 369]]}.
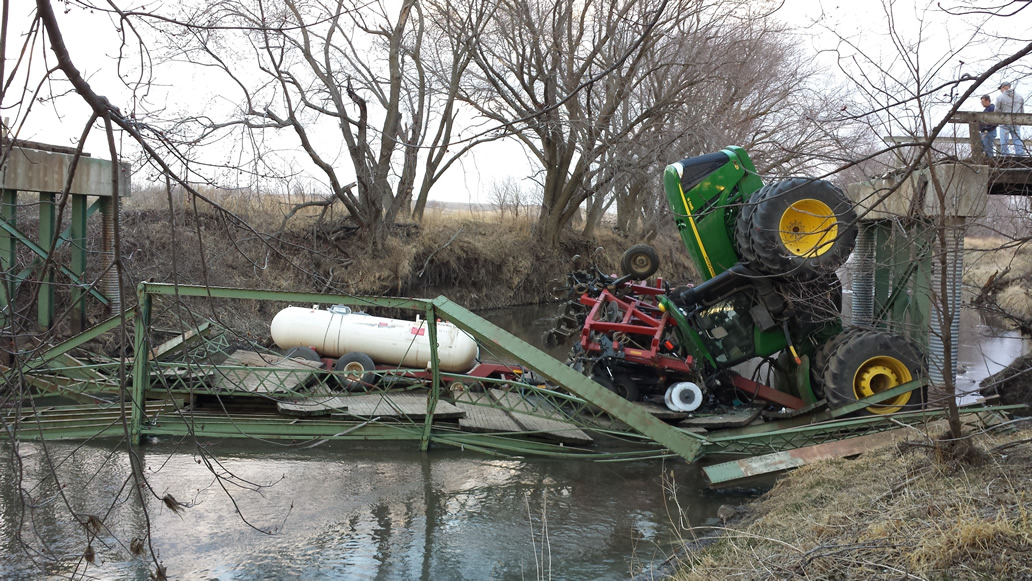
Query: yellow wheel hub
{"points": [[808, 228], [878, 374], [354, 367]]}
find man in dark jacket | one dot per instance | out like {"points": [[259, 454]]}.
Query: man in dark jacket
{"points": [[988, 130]]}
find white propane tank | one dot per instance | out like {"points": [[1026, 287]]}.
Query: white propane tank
{"points": [[337, 330]]}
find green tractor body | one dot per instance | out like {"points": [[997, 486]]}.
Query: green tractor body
{"points": [[705, 194]]}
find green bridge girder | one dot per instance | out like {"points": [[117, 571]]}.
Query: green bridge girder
{"points": [[579, 398]]}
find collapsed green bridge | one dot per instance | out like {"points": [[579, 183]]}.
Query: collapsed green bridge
{"points": [[208, 381]]}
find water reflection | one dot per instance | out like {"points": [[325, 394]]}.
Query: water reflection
{"points": [[983, 351], [376, 513]]}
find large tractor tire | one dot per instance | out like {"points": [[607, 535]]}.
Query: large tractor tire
{"points": [[820, 359], [640, 261], [743, 230], [800, 227], [863, 363]]}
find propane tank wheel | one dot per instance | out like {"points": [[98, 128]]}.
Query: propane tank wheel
{"points": [[357, 371]]}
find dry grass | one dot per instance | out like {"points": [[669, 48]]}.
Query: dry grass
{"points": [[893, 513], [996, 262], [474, 256]]}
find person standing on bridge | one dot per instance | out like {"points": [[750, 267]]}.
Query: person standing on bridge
{"points": [[1009, 101], [988, 130]]}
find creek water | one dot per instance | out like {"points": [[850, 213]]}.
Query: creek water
{"points": [[265, 510]]}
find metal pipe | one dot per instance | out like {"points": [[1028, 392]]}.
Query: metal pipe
{"points": [[953, 245], [863, 277], [111, 212]]}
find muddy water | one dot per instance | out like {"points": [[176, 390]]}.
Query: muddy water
{"points": [[983, 351], [347, 511], [337, 512]]}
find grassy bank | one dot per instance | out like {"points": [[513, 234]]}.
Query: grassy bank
{"points": [[907, 511]]}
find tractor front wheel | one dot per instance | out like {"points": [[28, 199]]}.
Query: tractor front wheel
{"points": [[865, 363]]}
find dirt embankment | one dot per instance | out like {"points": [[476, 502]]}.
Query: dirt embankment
{"points": [[480, 262]]}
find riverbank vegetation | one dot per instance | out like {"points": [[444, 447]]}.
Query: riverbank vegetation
{"points": [[475, 255], [910, 510]]}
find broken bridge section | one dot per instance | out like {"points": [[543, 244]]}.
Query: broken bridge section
{"points": [[60, 182], [194, 378]]}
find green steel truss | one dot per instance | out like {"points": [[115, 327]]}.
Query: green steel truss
{"points": [[186, 387]]}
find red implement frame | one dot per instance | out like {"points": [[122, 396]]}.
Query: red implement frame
{"points": [[638, 319]]}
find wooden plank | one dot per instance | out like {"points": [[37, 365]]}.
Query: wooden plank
{"points": [[770, 463], [529, 417], [411, 405], [389, 405], [731, 419], [288, 375], [483, 419], [322, 406], [481, 415], [661, 412]]}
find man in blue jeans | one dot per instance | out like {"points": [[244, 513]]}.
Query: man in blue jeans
{"points": [[1010, 102], [988, 130]]}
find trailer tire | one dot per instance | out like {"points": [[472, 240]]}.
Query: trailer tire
{"points": [[640, 261], [801, 228], [306, 353], [620, 386], [864, 363], [819, 362], [358, 371], [550, 339]]}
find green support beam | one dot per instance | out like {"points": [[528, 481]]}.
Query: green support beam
{"points": [[141, 363], [435, 382], [8, 254], [921, 314], [882, 267], [10, 231], [47, 227], [684, 444]]}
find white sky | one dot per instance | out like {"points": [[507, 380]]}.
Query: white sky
{"points": [[93, 44]]}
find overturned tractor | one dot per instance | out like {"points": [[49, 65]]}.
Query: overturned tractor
{"points": [[768, 307]]}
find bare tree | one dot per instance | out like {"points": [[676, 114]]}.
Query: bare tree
{"points": [[600, 90], [556, 72], [379, 80], [508, 197]]}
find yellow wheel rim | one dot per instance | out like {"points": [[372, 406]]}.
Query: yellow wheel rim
{"points": [[808, 228], [353, 368], [878, 374]]}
